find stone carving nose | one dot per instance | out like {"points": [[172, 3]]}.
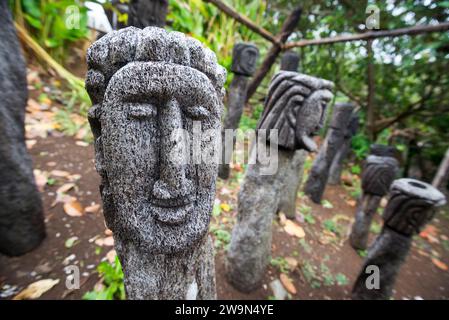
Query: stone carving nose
{"points": [[173, 183]]}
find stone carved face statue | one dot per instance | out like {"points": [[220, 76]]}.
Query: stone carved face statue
{"points": [[411, 205], [378, 174], [145, 85], [296, 107], [244, 59]]}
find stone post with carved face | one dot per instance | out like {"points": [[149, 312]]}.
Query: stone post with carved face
{"points": [[410, 207], [244, 61], [316, 183], [287, 202], [157, 104], [377, 176], [294, 111], [337, 164]]}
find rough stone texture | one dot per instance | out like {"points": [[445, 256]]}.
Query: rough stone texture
{"points": [[21, 217], [383, 150], [145, 85], [288, 194], [410, 207], [243, 65], [316, 183], [146, 13], [292, 182], [337, 165], [296, 106], [294, 100], [244, 59], [377, 176], [290, 61]]}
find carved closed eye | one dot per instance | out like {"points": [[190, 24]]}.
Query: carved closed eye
{"points": [[142, 111], [197, 112]]}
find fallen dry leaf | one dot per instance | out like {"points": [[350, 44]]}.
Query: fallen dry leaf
{"points": [[287, 283], [36, 289], [282, 218], [108, 232], [73, 208], [93, 208], [293, 229], [225, 207], [41, 179], [440, 264], [111, 256], [108, 241], [65, 187], [60, 173], [292, 263], [81, 143], [30, 143], [351, 203]]}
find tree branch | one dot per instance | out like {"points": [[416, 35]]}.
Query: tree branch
{"points": [[245, 21], [371, 35], [287, 29]]}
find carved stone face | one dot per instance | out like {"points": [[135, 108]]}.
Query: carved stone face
{"points": [[296, 107], [154, 192], [411, 206], [378, 174], [244, 59]]}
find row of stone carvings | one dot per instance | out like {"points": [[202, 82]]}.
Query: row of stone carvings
{"points": [[146, 83], [409, 208], [159, 211]]}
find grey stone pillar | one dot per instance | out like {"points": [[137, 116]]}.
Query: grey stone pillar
{"points": [[410, 207], [290, 61], [383, 150], [294, 111], [244, 62], [157, 104], [295, 170], [378, 174], [146, 13], [337, 164], [316, 183], [21, 217]]}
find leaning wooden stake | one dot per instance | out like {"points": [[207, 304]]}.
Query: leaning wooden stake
{"points": [[151, 90], [410, 207]]}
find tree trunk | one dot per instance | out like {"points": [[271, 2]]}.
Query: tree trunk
{"points": [[287, 29], [442, 175]]}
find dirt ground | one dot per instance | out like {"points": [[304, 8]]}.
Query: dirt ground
{"points": [[327, 265]]}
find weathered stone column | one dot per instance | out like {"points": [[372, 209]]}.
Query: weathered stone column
{"points": [[151, 90], [290, 61], [295, 170], [21, 217], [409, 209], [378, 174], [382, 150], [294, 111], [337, 164], [146, 13], [316, 183], [244, 62]]}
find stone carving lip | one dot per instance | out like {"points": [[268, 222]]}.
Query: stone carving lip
{"points": [[173, 202], [173, 215]]}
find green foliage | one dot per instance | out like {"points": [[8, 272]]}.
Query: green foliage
{"points": [[113, 288], [280, 263], [54, 24]]}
